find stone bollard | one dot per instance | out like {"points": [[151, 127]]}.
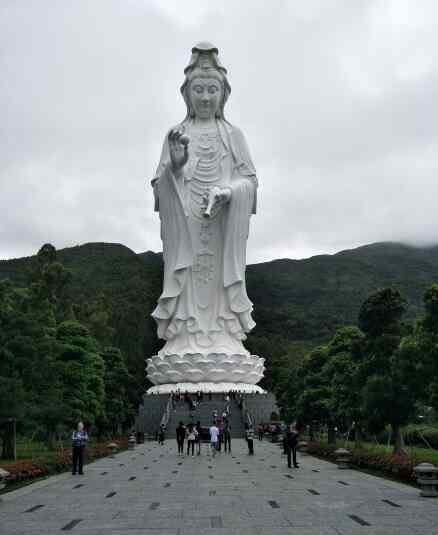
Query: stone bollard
{"points": [[113, 448], [132, 441], [343, 458], [302, 447], [427, 479], [3, 477]]}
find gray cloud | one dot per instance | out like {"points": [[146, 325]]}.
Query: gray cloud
{"points": [[336, 100]]}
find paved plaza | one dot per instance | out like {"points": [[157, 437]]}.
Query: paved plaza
{"points": [[151, 491]]}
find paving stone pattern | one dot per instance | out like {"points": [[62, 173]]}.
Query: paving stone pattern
{"points": [[178, 497]]}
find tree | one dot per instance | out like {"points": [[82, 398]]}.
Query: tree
{"points": [[391, 376], [27, 345], [426, 338], [118, 381], [381, 313], [82, 373], [343, 374], [50, 280], [313, 397]]}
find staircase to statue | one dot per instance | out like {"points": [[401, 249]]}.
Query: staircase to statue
{"points": [[204, 414], [151, 412]]}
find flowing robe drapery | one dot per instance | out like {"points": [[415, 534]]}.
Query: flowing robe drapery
{"points": [[183, 319]]}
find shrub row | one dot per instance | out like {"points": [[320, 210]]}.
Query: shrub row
{"points": [[28, 469], [414, 435], [399, 466]]}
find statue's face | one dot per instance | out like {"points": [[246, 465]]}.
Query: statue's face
{"points": [[205, 96]]}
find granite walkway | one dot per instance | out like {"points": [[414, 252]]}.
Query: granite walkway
{"points": [[151, 491]]}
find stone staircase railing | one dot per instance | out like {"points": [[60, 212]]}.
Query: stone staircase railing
{"points": [[246, 416], [166, 415]]}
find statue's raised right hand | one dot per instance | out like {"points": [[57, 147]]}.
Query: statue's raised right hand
{"points": [[179, 149]]}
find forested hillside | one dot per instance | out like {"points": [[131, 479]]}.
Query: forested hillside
{"points": [[298, 303]]}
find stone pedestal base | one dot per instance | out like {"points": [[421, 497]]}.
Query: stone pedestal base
{"points": [[214, 388]]}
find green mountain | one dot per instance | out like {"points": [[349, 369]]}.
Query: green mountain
{"points": [[307, 299], [295, 300]]}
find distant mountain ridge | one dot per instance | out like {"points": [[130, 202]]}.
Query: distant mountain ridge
{"points": [[296, 300]]}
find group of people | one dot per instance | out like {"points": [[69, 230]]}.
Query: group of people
{"points": [[193, 400], [219, 435]]}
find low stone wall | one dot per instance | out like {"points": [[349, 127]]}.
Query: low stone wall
{"points": [[261, 406]]}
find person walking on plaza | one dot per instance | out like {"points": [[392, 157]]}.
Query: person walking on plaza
{"points": [[291, 445], [260, 431], [214, 437], [161, 435], [191, 439], [79, 440], [198, 437], [249, 435], [221, 436], [227, 436], [180, 436]]}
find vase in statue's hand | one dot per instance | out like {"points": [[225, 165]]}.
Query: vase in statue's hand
{"points": [[178, 149], [214, 199]]}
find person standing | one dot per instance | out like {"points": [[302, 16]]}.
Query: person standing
{"points": [[221, 436], [198, 437], [249, 434], [161, 435], [79, 440], [260, 431], [227, 436], [214, 436], [180, 436], [291, 445], [191, 439]]}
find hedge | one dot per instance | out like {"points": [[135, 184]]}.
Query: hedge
{"points": [[398, 466], [29, 469]]}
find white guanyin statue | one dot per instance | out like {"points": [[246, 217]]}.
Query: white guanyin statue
{"points": [[205, 191]]}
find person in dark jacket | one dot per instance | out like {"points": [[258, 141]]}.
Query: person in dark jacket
{"points": [[79, 440], [180, 436], [291, 441], [198, 436], [227, 436], [161, 435], [249, 435]]}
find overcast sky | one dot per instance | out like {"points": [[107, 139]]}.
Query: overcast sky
{"points": [[337, 100]]}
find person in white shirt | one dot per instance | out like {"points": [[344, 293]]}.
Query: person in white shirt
{"points": [[214, 437]]}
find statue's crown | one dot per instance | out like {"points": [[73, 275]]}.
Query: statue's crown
{"points": [[205, 56], [205, 61]]}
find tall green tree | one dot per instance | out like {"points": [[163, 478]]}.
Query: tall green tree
{"points": [[342, 372], [390, 392], [425, 348], [119, 411], [82, 373]]}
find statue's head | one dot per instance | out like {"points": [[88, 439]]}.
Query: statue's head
{"points": [[206, 88]]}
